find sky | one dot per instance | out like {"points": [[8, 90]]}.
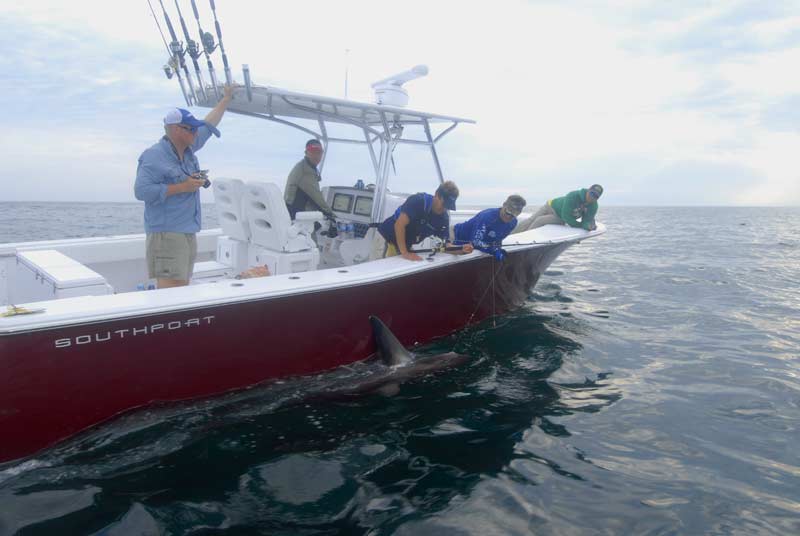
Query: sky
{"points": [[663, 103]]}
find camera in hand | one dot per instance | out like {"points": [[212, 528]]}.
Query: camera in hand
{"points": [[203, 175]]}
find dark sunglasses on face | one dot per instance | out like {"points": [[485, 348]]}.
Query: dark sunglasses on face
{"points": [[594, 194], [188, 128]]}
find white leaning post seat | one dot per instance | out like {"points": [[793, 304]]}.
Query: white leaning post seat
{"points": [[270, 225], [232, 248], [228, 195], [275, 241]]}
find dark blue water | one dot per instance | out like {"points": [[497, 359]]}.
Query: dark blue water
{"points": [[651, 385]]}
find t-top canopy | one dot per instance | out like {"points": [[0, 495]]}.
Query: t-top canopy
{"points": [[276, 102]]}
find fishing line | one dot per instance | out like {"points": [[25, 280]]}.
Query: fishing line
{"points": [[159, 28], [480, 301]]}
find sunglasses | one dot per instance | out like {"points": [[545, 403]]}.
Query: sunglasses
{"points": [[594, 194], [188, 128]]}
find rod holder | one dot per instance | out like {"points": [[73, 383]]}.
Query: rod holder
{"points": [[247, 83]]}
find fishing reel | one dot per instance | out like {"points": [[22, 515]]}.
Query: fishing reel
{"points": [[437, 246], [208, 42], [170, 68], [193, 50], [176, 47]]}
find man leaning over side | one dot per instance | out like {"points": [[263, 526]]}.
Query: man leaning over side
{"points": [[167, 180], [422, 215], [487, 229]]}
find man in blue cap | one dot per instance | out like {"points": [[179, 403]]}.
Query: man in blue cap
{"points": [[422, 215], [167, 180]]}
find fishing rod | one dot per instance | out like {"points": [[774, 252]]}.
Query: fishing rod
{"points": [[228, 78], [193, 51], [170, 68], [164, 39], [177, 51], [445, 249], [207, 40]]}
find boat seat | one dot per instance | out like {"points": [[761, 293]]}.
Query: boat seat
{"points": [[269, 221], [228, 194]]}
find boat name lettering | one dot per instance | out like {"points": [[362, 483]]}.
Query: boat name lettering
{"points": [[104, 336]]}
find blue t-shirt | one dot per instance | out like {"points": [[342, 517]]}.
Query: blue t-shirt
{"points": [[485, 230], [159, 166], [423, 221]]}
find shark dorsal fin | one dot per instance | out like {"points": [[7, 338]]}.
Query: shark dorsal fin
{"points": [[388, 348]]}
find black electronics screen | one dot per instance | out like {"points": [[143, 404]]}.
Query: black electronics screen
{"points": [[363, 206], [342, 202]]}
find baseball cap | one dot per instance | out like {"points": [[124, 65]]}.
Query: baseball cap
{"points": [[448, 191], [179, 116], [597, 190]]}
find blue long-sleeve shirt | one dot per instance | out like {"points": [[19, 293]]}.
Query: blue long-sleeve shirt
{"points": [[159, 167], [485, 231]]}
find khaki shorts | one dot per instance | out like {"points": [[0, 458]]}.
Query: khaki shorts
{"points": [[171, 255]]}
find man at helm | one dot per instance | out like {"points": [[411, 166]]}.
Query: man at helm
{"points": [[302, 190]]}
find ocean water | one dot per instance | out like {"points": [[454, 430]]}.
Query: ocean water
{"points": [[650, 385]]}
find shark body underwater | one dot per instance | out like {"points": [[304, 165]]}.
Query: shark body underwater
{"points": [[398, 365]]}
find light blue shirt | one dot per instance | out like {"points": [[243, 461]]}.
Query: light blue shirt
{"points": [[159, 167]]}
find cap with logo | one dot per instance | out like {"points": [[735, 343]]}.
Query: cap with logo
{"points": [[179, 116], [448, 191]]}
